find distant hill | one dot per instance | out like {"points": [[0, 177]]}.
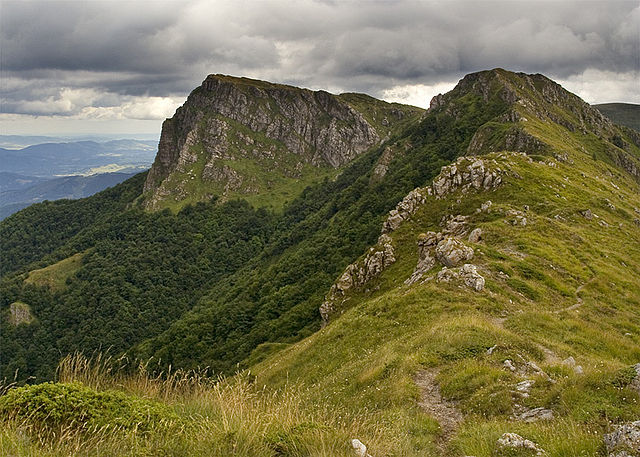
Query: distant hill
{"points": [[14, 181], [69, 187], [627, 114]]}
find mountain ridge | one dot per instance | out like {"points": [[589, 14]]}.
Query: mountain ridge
{"points": [[485, 254]]}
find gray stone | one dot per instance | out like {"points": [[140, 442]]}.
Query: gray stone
{"points": [[625, 437], [403, 210], [535, 414], [452, 252], [571, 363], [515, 441], [635, 383], [359, 448], [471, 277], [476, 235], [587, 214]]}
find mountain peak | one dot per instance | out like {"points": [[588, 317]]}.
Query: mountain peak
{"points": [[241, 136]]}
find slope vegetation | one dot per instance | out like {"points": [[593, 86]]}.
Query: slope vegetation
{"points": [[475, 274]]}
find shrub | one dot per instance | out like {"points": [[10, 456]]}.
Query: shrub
{"points": [[55, 406]]}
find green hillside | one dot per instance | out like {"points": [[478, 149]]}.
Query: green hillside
{"points": [[476, 274], [627, 114]]}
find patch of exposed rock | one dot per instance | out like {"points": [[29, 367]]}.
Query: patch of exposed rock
{"points": [[624, 440], [476, 235], [515, 441], [358, 274], [467, 173], [426, 259], [468, 274], [451, 252], [20, 313], [533, 414]]}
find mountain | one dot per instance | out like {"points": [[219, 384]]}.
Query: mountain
{"points": [[265, 142], [627, 114], [20, 195], [13, 181], [81, 157], [473, 273]]}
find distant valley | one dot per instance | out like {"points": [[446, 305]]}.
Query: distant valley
{"points": [[57, 169]]}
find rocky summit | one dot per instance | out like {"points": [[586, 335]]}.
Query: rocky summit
{"points": [[238, 136], [357, 277]]}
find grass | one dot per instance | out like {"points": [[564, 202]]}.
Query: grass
{"points": [[210, 417], [367, 357], [55, 276]]}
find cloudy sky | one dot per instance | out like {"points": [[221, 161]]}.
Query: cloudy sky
{"points": [[122, 67]]}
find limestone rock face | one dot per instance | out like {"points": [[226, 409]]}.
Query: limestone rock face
{"points": [[451, 252], [465, 174], [426, 260], [20, 313], [403, 210], [358, 274], [229, 118], [624, 440]]}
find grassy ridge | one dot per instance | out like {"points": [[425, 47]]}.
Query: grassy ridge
{"points": [[561, 286]]}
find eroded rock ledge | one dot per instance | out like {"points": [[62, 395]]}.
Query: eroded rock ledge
{"points": [[465, 174]]}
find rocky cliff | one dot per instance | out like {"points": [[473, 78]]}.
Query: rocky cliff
{"points": [[237, 135]]}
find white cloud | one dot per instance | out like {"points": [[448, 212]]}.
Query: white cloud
{"points": [[598, 86], [416, 94]]}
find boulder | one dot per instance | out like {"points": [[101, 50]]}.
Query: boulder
{"points": [[587, 214], [468, 274], [359, 448], [452, 252], [476, 235], [471, 277], [455, 225]]}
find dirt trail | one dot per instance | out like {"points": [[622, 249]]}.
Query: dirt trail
{"points": [[431, 402], [579, 301]]}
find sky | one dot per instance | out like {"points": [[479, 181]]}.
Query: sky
{"points": [[122, 67]]}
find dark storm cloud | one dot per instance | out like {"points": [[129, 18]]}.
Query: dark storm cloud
{"points": [[164, 49]]}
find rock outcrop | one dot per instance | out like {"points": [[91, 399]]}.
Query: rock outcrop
{"points": [[465, 174], [358, 274], [468, 274], [451, 252]]}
